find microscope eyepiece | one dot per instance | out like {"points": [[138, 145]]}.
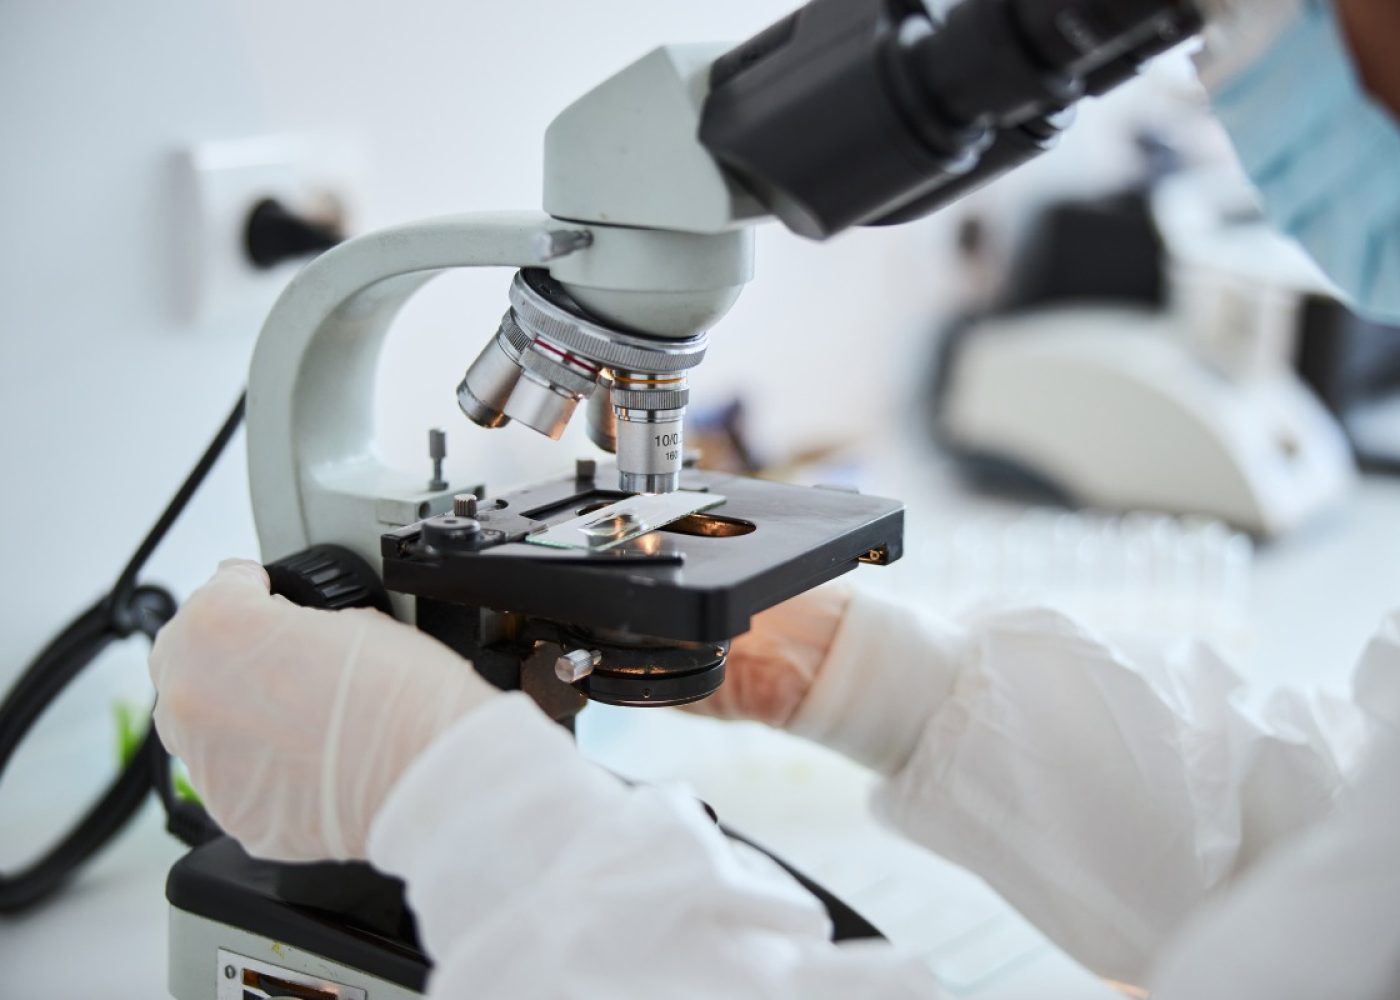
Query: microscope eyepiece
{"points": [[852, 112]]}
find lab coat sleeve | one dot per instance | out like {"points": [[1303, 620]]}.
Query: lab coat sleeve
{"points": [[1104, 795], [533, 873], [1317, 918]]}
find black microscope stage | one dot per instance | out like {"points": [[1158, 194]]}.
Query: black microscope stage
{"points": [[700, 579]]}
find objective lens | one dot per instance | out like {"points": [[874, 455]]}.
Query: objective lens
{"points": [[541, 407], [650, 414], [553, 382], [602, 421], [492, 377]]}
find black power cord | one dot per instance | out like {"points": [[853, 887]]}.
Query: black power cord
{"points": [[128, 609], [272, 234]]}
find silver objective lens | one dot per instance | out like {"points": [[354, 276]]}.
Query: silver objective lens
{"points": [[602, 420], [552, 382], [490, 380], [650, 417]]}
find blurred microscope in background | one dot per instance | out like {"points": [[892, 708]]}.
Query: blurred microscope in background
{"points": [[1161, 348]]}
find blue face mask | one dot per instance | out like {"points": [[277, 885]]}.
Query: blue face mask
{"points": [[1324, 156]]}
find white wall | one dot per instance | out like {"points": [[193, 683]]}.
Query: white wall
{"points": [[106, 396]]}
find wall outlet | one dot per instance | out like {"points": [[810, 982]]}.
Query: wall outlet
{"points": [[218, 184]]}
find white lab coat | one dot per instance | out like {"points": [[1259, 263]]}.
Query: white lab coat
{"points": [[1130, 805]]}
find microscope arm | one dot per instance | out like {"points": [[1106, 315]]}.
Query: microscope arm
{"points": [[313, 469]]}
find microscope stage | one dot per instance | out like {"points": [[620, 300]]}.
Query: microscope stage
{"points": [[699, 579]]}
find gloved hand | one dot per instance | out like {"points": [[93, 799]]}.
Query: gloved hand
{"points": [[856, 673], [773, 665], [295, 723]]}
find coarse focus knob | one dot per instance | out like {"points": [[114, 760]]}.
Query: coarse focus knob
{"points": [[330, 577]]}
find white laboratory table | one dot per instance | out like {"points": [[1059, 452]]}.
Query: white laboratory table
{"points": [[1315, 598]]}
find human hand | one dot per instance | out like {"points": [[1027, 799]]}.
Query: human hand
{"points": [[295, 723], [773, 665]]}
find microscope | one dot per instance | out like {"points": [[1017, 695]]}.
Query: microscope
{"points": [[621, 582]]}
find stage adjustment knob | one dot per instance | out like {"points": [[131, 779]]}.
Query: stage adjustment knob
{"points": [[329, 577]]}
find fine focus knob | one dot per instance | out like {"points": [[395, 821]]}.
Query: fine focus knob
{"points": [[330, 577]]}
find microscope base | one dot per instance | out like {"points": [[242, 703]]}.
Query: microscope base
{"points": [[342, 925], [342, 931], [214, 961]]}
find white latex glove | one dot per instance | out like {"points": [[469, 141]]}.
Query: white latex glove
{"points": [[772, 666], [874, 706], [295, 723]]}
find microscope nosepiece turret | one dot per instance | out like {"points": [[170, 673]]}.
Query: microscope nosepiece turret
{"points": [[549, 354]]}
